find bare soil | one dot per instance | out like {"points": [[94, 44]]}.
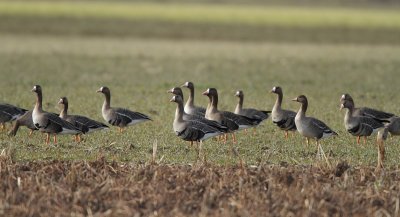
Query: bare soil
{"points": [[101, 188]]}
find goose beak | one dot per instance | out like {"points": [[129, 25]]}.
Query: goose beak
{"points": [[183, 85], [205, 93], [295, 99], [172, 99], [33, 90], [60, 101], [98, 91], [169, 91]]}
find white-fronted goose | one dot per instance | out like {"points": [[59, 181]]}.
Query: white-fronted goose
{"points": [[249, 112], [24, 120], [119, 117], [393, 126], [85, 124], [382, 136], [231, 120], [49, 123], [358, 125], [282, 118], [310, 127], [187, 117], [9, 113], [191, 130], [190, 108], [369, 112]]}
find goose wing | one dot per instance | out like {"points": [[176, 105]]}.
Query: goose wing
{"points": [[196, 130], [322, 127], [59, 125], [375, 114]]}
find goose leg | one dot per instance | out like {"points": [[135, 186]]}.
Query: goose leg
{"points": [[358, 140], [254, 131], [308, 141], [47, 138], [30, 133], [225, 138], [286, 134], [3, 126], [55, 138], [245, 131], [79, 138], [121, 130], [234, 138], [365, 140]]}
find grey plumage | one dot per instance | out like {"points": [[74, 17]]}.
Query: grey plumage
{"points": [[310, 127], [190, 107], [195, 117], [358, 125], [85, 124], [368, 112], [10, 113], [282, 118], [48, 122], [191, 130], [120, 117], [249, 112]]}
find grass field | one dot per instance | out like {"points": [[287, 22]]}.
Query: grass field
{"points": [[72, 49]]}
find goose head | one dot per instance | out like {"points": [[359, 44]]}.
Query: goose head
{"points": [[176, 91], [188, 84], [301, 99], [104, 90], [37, 89], [176, 99], [276, 90], [63, 101], [239, 93], [210, 92]]}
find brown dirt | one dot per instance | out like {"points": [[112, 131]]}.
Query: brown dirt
{"points": [[103, 188]]}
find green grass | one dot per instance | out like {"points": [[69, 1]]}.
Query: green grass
{"points": [[140, 71], [211, 14]]}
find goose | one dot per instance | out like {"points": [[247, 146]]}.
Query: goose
{"points": [[49, 123], [282, 118], [178, 91], [191, 130], [249, 112], [358, 125], [382, 136], [24, 120], [393, 126], [231, 120], [190, 108], [9, 113], [310, 127], [369, 112], [85, 124], [119, 117]]}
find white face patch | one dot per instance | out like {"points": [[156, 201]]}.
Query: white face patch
{"points": [[274, 89], [187, 84], [343, 96]]}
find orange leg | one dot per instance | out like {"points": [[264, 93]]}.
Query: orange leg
{"points": [[358, 140], [3, 126], [47, 138], [307, 141], [55, 138], [286, 134], [225, 138], [254, 131], [234, 138], [365, 140], [30, 133], [79, 138], [121, 129]]}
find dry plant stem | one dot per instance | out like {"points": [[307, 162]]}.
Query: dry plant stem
{"points": [[381, 155]]}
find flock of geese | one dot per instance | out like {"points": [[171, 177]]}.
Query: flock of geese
{"points": [[195, 124]]}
